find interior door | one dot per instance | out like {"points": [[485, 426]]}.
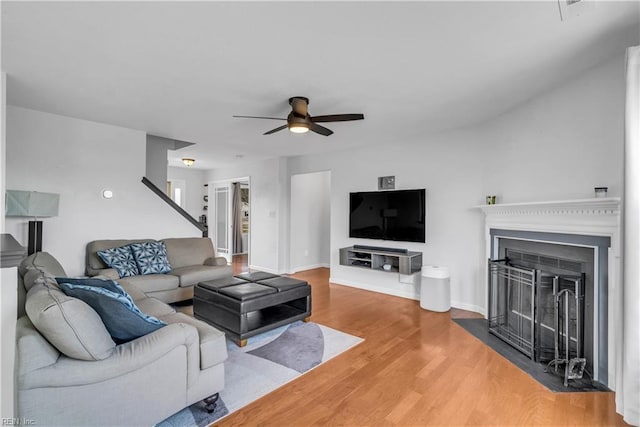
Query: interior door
{"points": [[222, 236]]}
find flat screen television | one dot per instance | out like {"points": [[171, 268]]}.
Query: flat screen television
{"points": [[397, 215]]}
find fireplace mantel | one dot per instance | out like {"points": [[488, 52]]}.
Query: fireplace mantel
{"points": [[608, 205], [587, 217], [598, 216]]}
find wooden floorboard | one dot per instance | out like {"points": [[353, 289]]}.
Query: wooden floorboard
{"points": [[414, 368]]}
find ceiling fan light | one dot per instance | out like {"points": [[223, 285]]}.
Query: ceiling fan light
{"points": [[299, 128], [187, 161]]}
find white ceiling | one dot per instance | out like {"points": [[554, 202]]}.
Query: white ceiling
{"points": [[181, 70]]}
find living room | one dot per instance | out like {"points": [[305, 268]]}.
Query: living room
{"points": [[553, 129]]}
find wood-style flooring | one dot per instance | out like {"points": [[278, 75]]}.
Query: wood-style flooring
{"points": [[415, 368]]}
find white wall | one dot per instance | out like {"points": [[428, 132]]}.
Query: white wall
{"points": [[572, 134], [194, 191], [561, 144], [3, 144], [447, 167], [156, 162], [310, 219], [265, 201], [78, 159], [8, 280], [558, 145]]}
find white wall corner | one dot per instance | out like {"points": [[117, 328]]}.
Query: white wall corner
{"points": [[3, 145]]}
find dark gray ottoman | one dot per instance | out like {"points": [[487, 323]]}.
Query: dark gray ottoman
{"points": [[251, 303]]}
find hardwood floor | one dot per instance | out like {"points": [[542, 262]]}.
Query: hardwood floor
{"points": [[240, 263], [414, 368]]}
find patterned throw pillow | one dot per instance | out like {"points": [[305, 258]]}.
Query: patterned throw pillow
{"points": [[151, 257], [121, 259], [120, 315]]}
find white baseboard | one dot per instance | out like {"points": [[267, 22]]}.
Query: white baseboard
{"points": [[403, 294], [469, 307], [296, 270], [309, 267], [265, 269], [368, 287]]}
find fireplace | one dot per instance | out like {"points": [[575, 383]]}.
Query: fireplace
{"points": [[541, 302], [551, 269]]}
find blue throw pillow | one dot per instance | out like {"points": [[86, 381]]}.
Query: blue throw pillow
{"points": [[120, 315], [121, 259], [151, 257]]}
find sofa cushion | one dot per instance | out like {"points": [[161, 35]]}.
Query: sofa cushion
{"points": [[194, 274], [69, 324], [35, 277], [151, 257], [213, 346], [185, 251], [94, 262], [120, 315], [152, 282], [121, 259], [43, 262], [154, 307]]}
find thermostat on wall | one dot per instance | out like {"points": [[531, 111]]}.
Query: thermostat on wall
{"points": [[386, 183]]}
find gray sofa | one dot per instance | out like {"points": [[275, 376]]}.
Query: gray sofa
{"points": [[70, 372], [192, 258]]}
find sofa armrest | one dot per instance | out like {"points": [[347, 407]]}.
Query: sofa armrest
{"points": [[109, 273], [33, 351], [126, 358], [135, 292], [216, 261]]}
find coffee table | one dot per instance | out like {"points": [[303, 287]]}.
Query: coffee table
{"points": [[251, 303]]}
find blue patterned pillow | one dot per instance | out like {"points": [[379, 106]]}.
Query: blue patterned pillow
{"points": [[121, 259], [151, 257], [120, 315]]}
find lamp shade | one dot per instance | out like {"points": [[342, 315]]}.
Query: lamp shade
{"points": [[31, 203]]}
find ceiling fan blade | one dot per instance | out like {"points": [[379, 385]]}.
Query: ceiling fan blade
{"points": [[320, 129], [337, 118], [278, 129], [257, 117]]}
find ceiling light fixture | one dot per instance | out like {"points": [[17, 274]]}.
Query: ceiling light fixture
{"points": [[187, 161], [299, 128]]}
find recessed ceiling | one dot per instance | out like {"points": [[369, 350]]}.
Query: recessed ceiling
{"points": [[182, 69]]}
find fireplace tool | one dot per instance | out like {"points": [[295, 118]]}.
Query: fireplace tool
{"points": [[573, 366]]}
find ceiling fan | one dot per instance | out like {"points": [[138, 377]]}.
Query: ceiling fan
{"points": [[299, 120]]}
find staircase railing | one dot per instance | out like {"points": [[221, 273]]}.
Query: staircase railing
{"points": [[200, 226]]}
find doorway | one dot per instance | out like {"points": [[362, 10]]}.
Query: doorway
{"points": [[310, 223], [230, 224], [176, 190]]}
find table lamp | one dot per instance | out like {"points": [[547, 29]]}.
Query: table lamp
{"points": [[32, 204]]}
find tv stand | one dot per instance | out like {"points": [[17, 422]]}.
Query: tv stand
{"points": [[390, 260]]}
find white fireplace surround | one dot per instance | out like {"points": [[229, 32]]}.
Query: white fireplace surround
{"points": [[589, 217]]}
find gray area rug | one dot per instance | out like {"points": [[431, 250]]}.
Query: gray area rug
{"points": [[267, 362]]}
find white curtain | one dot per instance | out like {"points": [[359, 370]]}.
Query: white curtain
{"points": [[628, 331]]}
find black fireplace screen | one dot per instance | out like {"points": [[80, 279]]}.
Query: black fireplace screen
{"points": [[536, 312]]}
